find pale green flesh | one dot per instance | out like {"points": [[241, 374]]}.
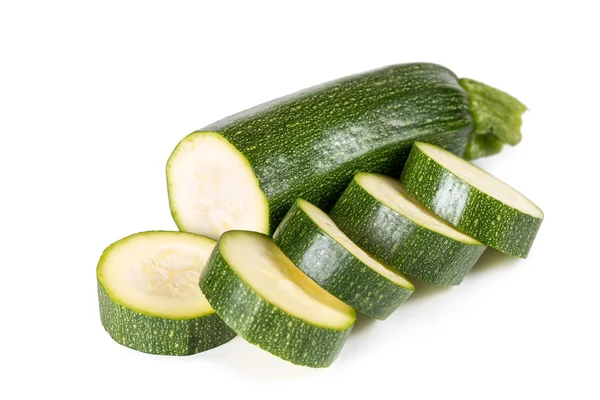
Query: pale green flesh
{"points": [[323, 221], [391, 193], [212, 187], [157, 273], [258, 261], [481, 180]]}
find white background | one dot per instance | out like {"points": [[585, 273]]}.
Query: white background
{"points": [[94, 96]]}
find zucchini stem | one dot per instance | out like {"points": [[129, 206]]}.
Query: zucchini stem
{"points": [[497, 118]]}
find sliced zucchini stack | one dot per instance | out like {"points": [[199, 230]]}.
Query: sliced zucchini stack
{"points": [[149, 295], [318, 247], [471, 199], [271, 303], [380, 217]]}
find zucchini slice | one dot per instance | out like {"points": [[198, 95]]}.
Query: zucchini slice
{"points": [[245, 171], [149, 295], [472, 200], [379, 216], [269, 302], [318, 247]]}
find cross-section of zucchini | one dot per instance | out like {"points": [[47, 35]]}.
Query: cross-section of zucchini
{"points": [[212, 188]]}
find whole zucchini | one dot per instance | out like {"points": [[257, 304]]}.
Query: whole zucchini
{"points": [[245, 171]]}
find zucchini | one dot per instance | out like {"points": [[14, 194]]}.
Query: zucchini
{"points": [[269, 302], [318, 247], [245, 171], [472, 200], [379, 216], [149, 295]]}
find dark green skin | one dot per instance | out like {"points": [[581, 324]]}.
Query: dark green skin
{"points": [[156, 335], [335, 269], [477, 214], [263, 324], [401, 243], [309, 144]]}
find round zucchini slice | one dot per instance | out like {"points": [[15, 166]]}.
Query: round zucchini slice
{"points": [[379, 216], [271, 303], [318, 247], [472, 200], [149, 295]]}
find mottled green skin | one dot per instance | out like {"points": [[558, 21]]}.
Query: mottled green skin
{"points": [[309, 144], [335, 269], [156, 335], [401, 243], [477, 214], [265, 325]]}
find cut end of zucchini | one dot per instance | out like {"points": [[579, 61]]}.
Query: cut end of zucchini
{"points": [[481, 180], [391, 193], [324, 222], [257, 260], [157, 273], [213, 189]]}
